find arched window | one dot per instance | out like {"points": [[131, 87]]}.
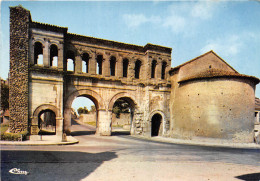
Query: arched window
{"points": [[125, 67], [85, 63], [112, 66], [70, 61], [137, 69], [54, 55], [99, 64], [38, 53], [164, 64], [154, 62]]}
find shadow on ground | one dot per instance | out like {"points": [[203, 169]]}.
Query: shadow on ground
{"points": [[51, 165], [250, 177]]}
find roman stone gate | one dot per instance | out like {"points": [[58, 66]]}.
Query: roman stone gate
{"points": [[53, 67]]}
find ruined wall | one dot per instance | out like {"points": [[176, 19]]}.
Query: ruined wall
{"points": [[19, 53], [214, 108]]}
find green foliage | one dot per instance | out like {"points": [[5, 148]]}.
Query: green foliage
{"points": [[11, 136], [82, 110], [4, 96], [121, 106]]}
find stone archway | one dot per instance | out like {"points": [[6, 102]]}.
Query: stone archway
{"points": [[157, 123], [93, 96], [42, 108], [133, 106]]}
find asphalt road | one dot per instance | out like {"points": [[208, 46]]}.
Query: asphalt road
{"points": [[122, 157]]}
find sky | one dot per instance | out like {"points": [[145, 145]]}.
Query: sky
{"points": [[190, 28]]}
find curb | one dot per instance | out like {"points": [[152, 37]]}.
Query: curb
{"points": [[205, 144], [38, 143]]}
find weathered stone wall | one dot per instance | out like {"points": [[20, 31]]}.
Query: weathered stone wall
{"points": [[215, 108], [124, 119], [19, 73]]}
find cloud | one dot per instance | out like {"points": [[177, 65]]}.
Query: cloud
{"points": [[135, 20], [203, 10], [228, 46], [175, 22], [179, 16]]}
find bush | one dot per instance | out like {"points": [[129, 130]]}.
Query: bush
{"points": [[12, 136]]}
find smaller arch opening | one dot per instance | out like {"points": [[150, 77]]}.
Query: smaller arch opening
{"points": [[154, 62], [122, 116], [85, 63], [70, 61], [112, 66], [38, 53], [125, 67], [164, 64], [99, 64], [53, 55], [137, 69], [47, 122], [156, 124]]}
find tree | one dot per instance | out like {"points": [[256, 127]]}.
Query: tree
{"points": [[121, 106], [83, 110], [4, 96]]}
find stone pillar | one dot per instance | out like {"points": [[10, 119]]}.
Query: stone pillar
{"points": [[104, 121], [92, 65], [119, 67], [67, 120], [78, 64], [46, 54], [158, 71], [60, 57], [34, 127], [59, 126], [106, 66]]}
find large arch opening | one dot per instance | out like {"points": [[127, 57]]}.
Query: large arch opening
{"points": [[83, 116], [85, 63], [122, 116], [164, 65], [99, 64], [93, 96], [53, 55], [156, 126], [113, 66], [154, 62], [138, 64], [70, 57], [38, 53], [125, 67], [47, 122]]}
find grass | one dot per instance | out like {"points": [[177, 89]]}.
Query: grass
{"points": [[94, 124], [11, 136]]}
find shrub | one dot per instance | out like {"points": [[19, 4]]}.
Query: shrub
{"points": [[12, 136]]}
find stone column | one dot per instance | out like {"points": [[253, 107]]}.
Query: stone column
{"points": [[46, 54], [67, 120], [78, 64], [34, 126], [92, 65], [106, 66], [119, 67], [158, 71], [60, 57], [59, 126], [104, 121]]}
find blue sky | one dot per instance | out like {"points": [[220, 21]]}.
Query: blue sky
{"points": [[190, 28]]}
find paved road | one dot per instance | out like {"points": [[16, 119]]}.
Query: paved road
{"points": [[122, 157]]}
